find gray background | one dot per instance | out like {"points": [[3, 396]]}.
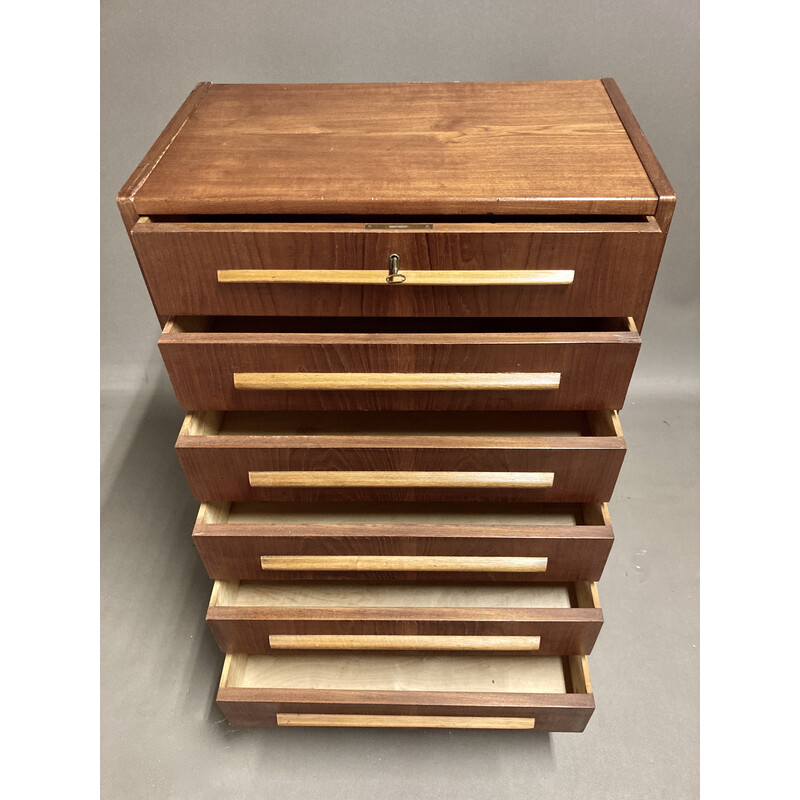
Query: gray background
{"points": [[162, 735]]}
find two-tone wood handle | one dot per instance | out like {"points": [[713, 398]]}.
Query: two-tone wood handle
{"points": [[422, 277], [398, 721], [401, 642], [400, 479], [396, 381], [371, 563]]}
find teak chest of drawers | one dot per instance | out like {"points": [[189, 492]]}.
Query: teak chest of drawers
{"points": [[402, 319]]}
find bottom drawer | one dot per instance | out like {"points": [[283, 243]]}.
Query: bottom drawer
{"points": [[545, 693], [543, 618]]}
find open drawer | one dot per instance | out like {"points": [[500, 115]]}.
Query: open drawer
{"points": [[282, 363], [570, 456], [388, 690], [535, 618], [503, 542], [522, 267]]}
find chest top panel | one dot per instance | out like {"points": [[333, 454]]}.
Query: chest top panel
{"points": [[554, 147]]}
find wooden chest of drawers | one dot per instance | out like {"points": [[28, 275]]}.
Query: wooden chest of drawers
{"points": [[402, 319]]}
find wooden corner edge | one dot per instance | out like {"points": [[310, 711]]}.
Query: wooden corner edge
{"points": [[126, 194], [655, 172], [586, 677]]}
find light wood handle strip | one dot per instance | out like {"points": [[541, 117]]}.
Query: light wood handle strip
{"points": [[406, 563], [396, 478], [399, 642], [397, 721], [395, 381], [423, 277]]}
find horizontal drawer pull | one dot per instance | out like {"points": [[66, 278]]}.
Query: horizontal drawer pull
{"points": [[396, 478], [406, 563], [397, 721], [423, 277], [399, 642], [403, 381]]}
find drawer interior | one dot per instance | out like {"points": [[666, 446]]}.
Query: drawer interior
{"points": [[404, 424], [398, 325], [462, 514], [409, 673], [320, 594]]}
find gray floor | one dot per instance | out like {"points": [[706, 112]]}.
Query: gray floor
{"points": [[163, 736]]}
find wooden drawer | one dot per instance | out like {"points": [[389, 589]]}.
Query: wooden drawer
{"points": [[413, 456], [543, 693], [402, 542], [537, 618], [586, 267], [395, 364]]}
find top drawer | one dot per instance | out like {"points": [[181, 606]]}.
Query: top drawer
{"points": [[584, 267]]}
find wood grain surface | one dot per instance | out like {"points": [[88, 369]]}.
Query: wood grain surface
{"points": [[232, 550], [584, 468], [398, 721], [348, 641], [595, 366], [655, 172], [552, 713], [406, 563], [125, 204], [614, 265], [559, 710], [423, 277], [427, 610], [263, 219], [383, 479], [397, 381], [554, 147]]}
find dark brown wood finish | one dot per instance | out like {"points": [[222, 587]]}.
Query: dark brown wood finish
{"points": [[568, 713], [550, 147], [563, 631], [595, 367], [655, 172], [161, 144], [232, 551], [568, 710], [614, 262], [548, 183], [125, 197], [585, 467]]}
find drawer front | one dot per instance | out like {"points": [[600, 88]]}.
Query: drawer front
{"points": [[479, 371], [247, 709], [402, 551], [540, 619], [420, 474], [566, 704], [603, 268], [564, 636], [417, 456]]}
